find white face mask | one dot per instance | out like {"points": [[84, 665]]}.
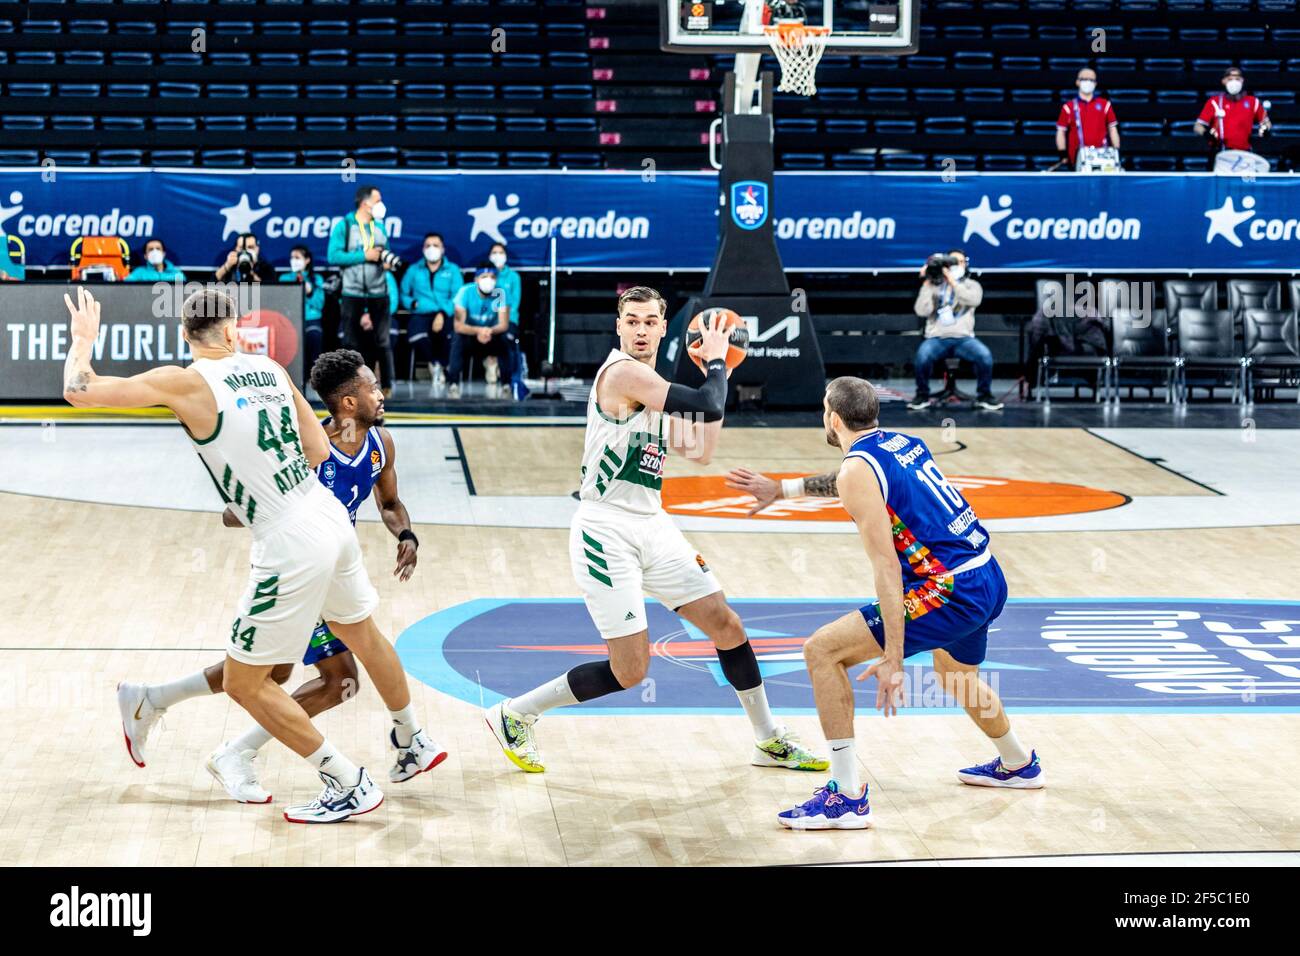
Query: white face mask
{"points": [[1087, 86], [297, 264], [433, 253], [487, 285], [379, 210], [1234, 87], [498, 260], [155, 257], [957, 272]]}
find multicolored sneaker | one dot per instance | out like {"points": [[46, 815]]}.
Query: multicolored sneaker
{"points": [[785, 750], [414, 759], [993, 774], [514, 732], [829, 809]]}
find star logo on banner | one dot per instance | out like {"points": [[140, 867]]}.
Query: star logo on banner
{"points": [[489, 217], [1225, 220], [981, 219], [6, 213], [241, 216]]}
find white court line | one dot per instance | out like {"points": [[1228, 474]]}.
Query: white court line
{"points": [[124, 464]]}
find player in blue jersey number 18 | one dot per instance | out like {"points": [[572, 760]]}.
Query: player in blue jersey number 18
{"points": [[938, 588]]}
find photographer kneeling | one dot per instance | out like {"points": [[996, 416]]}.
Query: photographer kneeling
{"points": [[947, 302]]}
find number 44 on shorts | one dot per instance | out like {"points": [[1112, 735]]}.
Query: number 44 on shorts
{"points": [[265, 595]]}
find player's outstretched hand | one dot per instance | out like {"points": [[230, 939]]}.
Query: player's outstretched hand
{"points": [[406, 559], [763, 488], [889, 691], [84, 316]]}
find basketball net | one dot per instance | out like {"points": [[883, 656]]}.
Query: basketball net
{"points": [[798, 49]]}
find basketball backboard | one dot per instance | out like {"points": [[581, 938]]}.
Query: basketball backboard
{"points": [[863, 27]]}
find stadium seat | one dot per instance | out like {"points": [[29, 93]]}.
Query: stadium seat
{"points": [[120, 157], [25, 122], [180, 124], [1246, 294], [426, 159], [527, 160], [324, 124], [69, 122], [223, 157], [379, 124], [863, 162], [903, 161], [69, 157], [274, 158], [324, 157], [171, 157], [377, 156], [803, 161], [1272, 348], [479, 159], [1210, 354]]}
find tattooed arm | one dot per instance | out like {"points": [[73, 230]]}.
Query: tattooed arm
{"points": [[767, 490], [84, 388]]}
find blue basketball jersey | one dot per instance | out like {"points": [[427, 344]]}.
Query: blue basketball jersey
{"points": [[935, 530], [351, 479]]}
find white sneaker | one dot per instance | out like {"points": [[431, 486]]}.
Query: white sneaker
{"points": [[337, 803], [437, 382], [234, 770], [138, 718], [491, 374], [514, 732], [423, 754], [453, 390]]}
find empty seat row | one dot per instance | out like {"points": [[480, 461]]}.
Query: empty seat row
{"points": [[333, 91], [363, 157], [220, 27], [378, 123]]}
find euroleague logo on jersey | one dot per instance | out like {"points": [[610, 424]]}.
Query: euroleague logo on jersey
{"points": [[707, 496]]}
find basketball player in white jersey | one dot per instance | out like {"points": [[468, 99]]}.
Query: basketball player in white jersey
{"points": [[260, 441], [623, 545]]}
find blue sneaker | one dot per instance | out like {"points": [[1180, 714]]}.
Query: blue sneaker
{"points": [[993, 774], [829, 809]]}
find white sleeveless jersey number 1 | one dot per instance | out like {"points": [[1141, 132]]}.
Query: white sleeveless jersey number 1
{"points": [[933, 479]]}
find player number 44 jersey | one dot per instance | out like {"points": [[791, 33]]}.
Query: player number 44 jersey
{"points": [[623, 460], [254, 455]]}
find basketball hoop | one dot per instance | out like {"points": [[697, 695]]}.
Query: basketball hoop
{"points": [[798, 49]]}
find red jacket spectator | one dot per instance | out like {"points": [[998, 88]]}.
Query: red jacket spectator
{"points": [[1086, 120], [1230, 116]]}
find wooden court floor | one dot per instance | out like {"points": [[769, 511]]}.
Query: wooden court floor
{"points": [[99, 593]]}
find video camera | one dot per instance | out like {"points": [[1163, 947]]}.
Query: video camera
{"points": [[935, 265]]}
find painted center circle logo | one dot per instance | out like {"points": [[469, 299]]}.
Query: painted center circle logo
{"points": [[708, 496], [1046, 655]]}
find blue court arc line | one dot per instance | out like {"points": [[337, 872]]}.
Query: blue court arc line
{"points": [[420, 647]]}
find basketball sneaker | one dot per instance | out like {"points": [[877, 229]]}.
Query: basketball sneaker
{"points": [[829, 809], [786, 750], [988, 403], [920, 402], [437, 382], [233, 769], [514, 732], [453, 390], [337, 803], [993, 774], [422, 754], [138, 718]]}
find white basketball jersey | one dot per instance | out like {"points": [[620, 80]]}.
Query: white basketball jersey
{"points": [[623, 461], [255, 453]]}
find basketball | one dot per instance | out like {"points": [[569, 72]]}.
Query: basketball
{"points": [[738, 340]]}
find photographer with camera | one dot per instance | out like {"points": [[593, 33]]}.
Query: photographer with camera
{"points": [[244, 263], [947, 302], [359, 248]]}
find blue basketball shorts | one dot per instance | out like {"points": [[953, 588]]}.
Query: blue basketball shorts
{"points": [[323, 644], [952, 612]]}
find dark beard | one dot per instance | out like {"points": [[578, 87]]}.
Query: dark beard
{"points": [[832, 439]]}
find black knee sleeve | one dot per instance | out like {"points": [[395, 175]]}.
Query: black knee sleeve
{"points": [[588, 681], [740, 667]]}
